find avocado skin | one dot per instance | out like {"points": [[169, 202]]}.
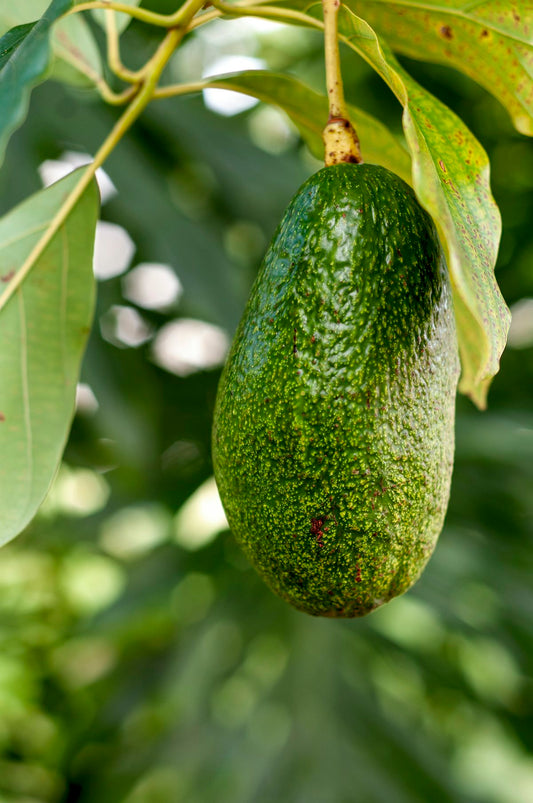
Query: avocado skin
{"points": [[333, 431]]}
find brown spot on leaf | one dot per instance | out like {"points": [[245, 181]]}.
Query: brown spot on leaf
{"points": [[446, 32], [7, 276]]}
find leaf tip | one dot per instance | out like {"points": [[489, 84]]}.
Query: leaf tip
{"points": [[477, 392]]}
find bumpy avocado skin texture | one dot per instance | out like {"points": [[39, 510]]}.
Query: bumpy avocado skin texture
{"points": [[334, 424]]}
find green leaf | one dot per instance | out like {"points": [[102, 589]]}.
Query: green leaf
{"points": [[450, 175], [309, 112], [44, 327], [26, 65], [77, 59], [488, 41], [12, 40]]}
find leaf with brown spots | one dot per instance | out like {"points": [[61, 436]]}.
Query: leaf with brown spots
{"points": [[451, 180], [490, 41]]}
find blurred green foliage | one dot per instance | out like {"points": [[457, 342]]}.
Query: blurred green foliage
{"points": [[141, 659]]}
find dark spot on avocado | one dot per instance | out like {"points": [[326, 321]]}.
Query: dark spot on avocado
{"points": [[316, 529]]}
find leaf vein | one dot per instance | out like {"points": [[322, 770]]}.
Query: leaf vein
{"points": [[27, 233], [26, 390]]}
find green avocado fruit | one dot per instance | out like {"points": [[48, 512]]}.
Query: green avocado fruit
{"points": [[334, 423]]}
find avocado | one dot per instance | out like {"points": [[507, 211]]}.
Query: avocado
{"points": [[333, 430]]}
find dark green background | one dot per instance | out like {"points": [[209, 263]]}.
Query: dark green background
{"points": [[177, 676]]}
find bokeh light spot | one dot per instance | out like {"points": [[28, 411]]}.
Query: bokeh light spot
{"points": [[113, 250], [152, 286], [86, 401], [76, 492], [133, 531], [91, 582], [224, 101], [201, 518], [51, 170], [521, 330], [124, 327], [79, 662], [185, 346], [409, 622]]}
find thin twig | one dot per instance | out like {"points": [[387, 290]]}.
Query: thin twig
{"points": [[113, 50]]}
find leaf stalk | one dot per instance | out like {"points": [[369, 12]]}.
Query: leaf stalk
{"points": [[141, 14], [341, 143], [113, 51]]}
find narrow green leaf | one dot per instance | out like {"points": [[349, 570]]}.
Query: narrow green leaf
{"points": [[309, 112], [25, 67], [43, 328], [488, 41]]}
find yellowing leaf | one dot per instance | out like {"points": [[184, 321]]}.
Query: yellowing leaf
{"points": [[489, 40], [451, 179]]}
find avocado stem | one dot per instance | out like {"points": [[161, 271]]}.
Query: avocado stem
{"points": [[341, 143]]}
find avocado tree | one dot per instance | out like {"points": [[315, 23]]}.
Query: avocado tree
{"points": [[141, 659]]}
